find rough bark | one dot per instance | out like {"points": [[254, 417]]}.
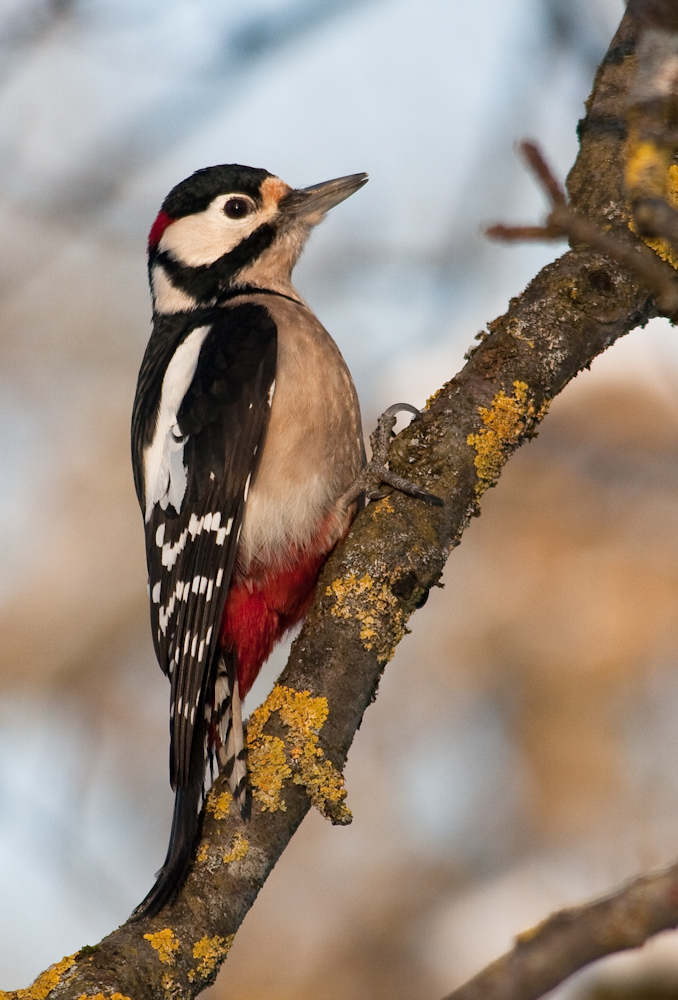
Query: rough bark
{"points": [[572, 311]]}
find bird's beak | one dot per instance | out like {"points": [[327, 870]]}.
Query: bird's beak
{"points": [[310, 204]]}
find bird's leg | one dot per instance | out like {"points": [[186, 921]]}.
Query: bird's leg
{"points": [[376, 472]]}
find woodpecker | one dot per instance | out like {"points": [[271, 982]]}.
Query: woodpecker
{"points": [[246, 439], [248, 461]]}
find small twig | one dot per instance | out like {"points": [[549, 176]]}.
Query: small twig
{"points": [[514, 233], [543, 173], [568, 940], [562, 221]]}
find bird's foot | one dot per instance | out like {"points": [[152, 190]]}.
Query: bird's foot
{"points": [[376, 473]]}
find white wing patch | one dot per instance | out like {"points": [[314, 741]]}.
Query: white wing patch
{"points": [[165, 474]]}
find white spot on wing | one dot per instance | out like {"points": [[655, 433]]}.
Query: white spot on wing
{"points": [[223, 532], [156, 593], [271, 392], [165, 614], [170, 553]]}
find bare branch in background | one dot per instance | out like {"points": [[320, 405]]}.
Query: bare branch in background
{"points": [[546, 955]]}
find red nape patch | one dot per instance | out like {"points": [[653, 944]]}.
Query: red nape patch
{"points": [[256, 616], [158, 228]]}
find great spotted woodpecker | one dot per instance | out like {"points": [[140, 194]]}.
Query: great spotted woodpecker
{"points": [[246, 434], [247, 452]]}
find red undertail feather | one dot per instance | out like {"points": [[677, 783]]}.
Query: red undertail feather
{"points": [[260, 609]]}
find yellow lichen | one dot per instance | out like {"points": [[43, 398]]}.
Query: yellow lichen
{"points": [[170, 985], [647, 166], [219, 805], [165, 944], [268, 768], [209, 951], [102, 996], [239, 849], [383, 506], [270, 765], [376, 608], [504, 423], [44, 984], [649, 173]]}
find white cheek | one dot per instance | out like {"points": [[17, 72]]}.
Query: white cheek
{"points": [[204, 237]]}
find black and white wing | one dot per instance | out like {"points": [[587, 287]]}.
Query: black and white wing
{"points": [[200, 417]]}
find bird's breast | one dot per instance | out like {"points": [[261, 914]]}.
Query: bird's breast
{"points": [[313, 449]]}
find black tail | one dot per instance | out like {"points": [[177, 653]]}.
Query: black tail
{"points": [[185, 829]]}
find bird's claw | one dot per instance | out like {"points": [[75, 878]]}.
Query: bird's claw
{"points": [[376, 472]]}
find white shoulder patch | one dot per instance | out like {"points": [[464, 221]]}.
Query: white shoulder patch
{"points": [[164, 471]]}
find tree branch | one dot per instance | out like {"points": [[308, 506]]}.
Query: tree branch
{"points": [[396, 551], [570, 939]]}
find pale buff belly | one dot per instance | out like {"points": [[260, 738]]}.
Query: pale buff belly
{"points": [[313, 449]]}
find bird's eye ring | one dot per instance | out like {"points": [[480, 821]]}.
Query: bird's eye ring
{"points": [[238, 208]]}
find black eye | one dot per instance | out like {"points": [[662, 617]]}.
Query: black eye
{"points": [[237, 208]]}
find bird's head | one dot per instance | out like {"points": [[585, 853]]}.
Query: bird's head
{"points": [[231, 226]]}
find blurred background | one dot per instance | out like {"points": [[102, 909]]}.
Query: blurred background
{"points": [[521, 755]]}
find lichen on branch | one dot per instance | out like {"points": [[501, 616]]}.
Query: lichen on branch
{"points": [[272, 760], [504, 423]]}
